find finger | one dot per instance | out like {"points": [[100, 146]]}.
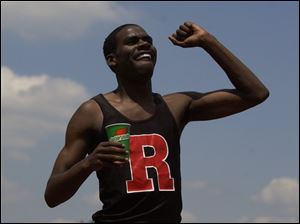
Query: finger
{"points": [[188, 24], [112, 158], [181, 34], [121, 163], [111, 143], [185, 29], [110, 164], [175, 38], [111, 150], [175, 41]]}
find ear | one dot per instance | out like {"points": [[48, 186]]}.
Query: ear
{"points": [[111, 60]]}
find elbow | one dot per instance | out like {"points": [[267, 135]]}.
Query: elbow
{"points": [[50, 203], [264, 95], [50, 200], [261, 96]]}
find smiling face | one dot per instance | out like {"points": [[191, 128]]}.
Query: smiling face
{"points": [[135, 56]]}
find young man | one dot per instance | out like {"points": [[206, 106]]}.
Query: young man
{"points": [[147, 187]]}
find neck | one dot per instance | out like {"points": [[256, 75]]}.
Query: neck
{"points": [[138, 92]]}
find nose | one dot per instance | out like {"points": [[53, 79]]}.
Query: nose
{"points": [[144, 44]]}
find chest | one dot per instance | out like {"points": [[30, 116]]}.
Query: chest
{"points": [[135, 111]]}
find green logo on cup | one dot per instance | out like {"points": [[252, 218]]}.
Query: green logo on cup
{"points": [[119, 132]]}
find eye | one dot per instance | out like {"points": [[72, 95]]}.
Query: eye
{"points": [[132, 40], [148, 39]]}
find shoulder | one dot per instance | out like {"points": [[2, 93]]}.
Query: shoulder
{"points": [[174, 96], [182, 98], [87, 116], [90, 107], [177, 99], [178, 104]]}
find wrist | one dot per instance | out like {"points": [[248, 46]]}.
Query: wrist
{"points": [[207, 40], [86, 165]]}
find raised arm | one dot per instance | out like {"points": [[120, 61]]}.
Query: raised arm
{"points": [[73, 166], [249, 90]]}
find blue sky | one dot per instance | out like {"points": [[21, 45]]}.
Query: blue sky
{"points": [[242, 168]]}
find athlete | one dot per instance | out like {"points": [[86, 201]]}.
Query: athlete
{"points": [[147, 186]]}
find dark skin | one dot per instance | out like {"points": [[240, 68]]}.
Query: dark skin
{"points": [[133, 98]]}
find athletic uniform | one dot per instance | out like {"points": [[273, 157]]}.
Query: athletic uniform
{"points": [[148, 188]]}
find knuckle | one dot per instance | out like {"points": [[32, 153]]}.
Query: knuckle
{"points": [[103, 143]]}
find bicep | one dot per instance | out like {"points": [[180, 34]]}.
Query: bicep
{"points": [[80, 138], [217, 104], [69, 156]]}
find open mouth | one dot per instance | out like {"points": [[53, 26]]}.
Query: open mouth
{"points": [[144, 57]]}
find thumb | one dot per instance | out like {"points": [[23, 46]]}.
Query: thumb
{"points": [[175, 41]]}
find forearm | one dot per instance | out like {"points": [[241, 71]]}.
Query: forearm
{"points": [[63, 186], [239, 74]]}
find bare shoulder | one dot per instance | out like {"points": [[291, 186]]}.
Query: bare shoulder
{"points": [[170, 97], [90, 108], [181, 99], [178, 104], [88, 117]]}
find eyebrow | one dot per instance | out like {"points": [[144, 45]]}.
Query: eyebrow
{"points": [[133, 36]]}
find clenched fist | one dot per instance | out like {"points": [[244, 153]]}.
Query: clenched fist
{"points": [[189, 34], [106, 154]]}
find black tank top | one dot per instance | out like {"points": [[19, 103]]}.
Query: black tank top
{"points": [[148, 188]]}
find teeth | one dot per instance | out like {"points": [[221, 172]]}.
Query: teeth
{"points": [[147, 56]]}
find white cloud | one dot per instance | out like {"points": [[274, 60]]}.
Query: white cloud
{"points": [[188, 217], [60, 19], [281, 195], [283, 191], [34, 106]]}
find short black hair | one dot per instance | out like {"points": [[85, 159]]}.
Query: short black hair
{"points": [[109, 45]]}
